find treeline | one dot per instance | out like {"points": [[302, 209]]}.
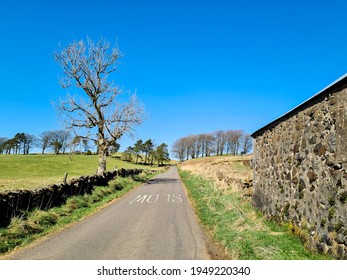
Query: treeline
{"points": [[147, 153], [229, 142], [20, 143], [59, 141], [62, 142]]}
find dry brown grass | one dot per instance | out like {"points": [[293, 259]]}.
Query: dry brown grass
{"points": [[226, 171], [227, 174]]}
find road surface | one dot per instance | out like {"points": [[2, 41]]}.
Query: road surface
{"points": [[154, 221]]}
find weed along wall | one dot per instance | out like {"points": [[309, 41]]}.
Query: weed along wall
{"points": [[14, 203], [300, 169]]}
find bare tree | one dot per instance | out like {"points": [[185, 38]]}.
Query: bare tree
{"points": [[44, 140], [189, 146], [200, 145], [96, 115], [178, 149], [247, 143], [191, 149], [233, 141], [208, 144], [60, 140], [220, 138], [75, 142]]}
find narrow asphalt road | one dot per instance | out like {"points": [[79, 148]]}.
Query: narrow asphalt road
{"points": [[154, 221]]}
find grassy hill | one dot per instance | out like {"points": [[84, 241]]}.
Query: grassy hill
{"points": [[34, 171], [226, 170]]}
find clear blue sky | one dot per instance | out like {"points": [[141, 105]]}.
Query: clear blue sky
{"points": [[198, 66]]}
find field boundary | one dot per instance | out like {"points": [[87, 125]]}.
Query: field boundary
{"points": [[17, 203]]}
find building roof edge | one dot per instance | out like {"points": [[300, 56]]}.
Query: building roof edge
{"points": [[328, 89]]}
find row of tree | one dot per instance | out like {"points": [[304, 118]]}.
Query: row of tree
{"points": [[20, 143], [147, 152], [57, 140], [219, 143], [61, 141]]}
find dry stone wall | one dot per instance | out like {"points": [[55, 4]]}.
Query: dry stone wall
{"points": [[300, 172], [14, 203]]}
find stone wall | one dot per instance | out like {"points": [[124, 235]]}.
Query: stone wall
{"points": [[300, 171], [14, 203]]}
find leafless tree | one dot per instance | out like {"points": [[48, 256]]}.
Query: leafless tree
{"points": [[187, 142], [191, 146], [220, 138], [44, 140], [206, 144], [199, 145], [209, 144], [178, 149], [60, 140], [247, 143], [96, 114], [234, 141]]}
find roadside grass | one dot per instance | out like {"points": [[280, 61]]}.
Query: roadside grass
{"points": [[236, 225], [34, 171], [35, 224]]}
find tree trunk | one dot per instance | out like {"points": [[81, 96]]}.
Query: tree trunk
{"points": [[102, 154], [102, 161]]}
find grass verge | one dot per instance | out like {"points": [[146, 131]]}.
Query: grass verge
{"points": [[35, 224], [233, 223]]}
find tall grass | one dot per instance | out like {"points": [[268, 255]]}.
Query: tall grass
{"points": [[233, 223]]}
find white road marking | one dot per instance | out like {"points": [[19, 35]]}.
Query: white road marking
{"points": [[177, 198], [149, 199], [139, 198], [154, 198]]}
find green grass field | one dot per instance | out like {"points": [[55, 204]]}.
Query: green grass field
{"points": [[35, 171]]}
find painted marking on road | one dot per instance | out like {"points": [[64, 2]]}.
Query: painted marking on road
{"points": [[176, 198], [154, 198], [139, 198]]}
